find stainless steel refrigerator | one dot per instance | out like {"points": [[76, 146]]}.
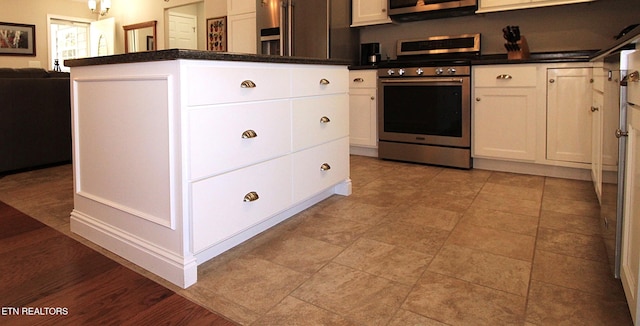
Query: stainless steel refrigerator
{"points": [[307, 28]]}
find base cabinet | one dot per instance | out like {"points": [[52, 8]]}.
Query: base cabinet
{"points": [[504, 112], [363, 108], [173, 172], [569, 102]]}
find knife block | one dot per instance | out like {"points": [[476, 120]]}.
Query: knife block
{"points": [[522, 52]]}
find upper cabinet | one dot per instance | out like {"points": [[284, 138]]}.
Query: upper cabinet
{"points": [[241, 26], [503, 5], [237, 7], [369, 12]]}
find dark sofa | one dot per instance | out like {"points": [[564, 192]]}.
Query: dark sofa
{"points": [[35, 119]]}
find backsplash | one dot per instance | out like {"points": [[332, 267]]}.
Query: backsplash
{"points": [[586, 26]]}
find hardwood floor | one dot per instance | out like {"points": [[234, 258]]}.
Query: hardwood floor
{"points": [[48, 278]]}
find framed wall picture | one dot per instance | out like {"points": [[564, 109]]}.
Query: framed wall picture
{"points": [[217, 34], [17, 39]]}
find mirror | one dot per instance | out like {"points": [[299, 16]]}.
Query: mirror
{"points": [[140, 37]]}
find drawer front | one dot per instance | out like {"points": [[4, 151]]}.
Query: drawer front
{"points": [[633, 85], [221, 84], [227, 137], [505, 76], [309, 175], [319, 81], [363, 78], [317, 120], [219, 209]]}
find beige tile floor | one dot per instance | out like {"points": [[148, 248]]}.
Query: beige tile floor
{"points": [[413, 245]]}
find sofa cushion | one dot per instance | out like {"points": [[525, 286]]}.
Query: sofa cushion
{"points": [[23, 73]]}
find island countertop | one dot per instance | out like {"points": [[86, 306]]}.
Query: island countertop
{"points": [[176, 54]]}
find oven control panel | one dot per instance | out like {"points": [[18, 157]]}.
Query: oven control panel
{"points": [[425, 71]]}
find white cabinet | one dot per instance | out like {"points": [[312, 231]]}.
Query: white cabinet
{"points": [[369, 12], [630, 258], [597, 109], [242, 33], [569, 102], [504, 112], [237, 7], [194, 157], [363, 109], [503, 5]]}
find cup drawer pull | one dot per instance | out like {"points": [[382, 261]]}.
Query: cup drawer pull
{"points": [[325, 120], [248, 84], [249, 134], [504, 76], [251, 196], [325, 167], [324, 81]]}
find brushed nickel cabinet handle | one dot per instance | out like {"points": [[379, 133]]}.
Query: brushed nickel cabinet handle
{"points": [[325, 120], [248, 84], [251, 196], [620, 133], [249, 134], [324, 81], [358, 80], [325, 167], [504, 76]]}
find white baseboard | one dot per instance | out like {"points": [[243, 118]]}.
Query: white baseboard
{"points": [[178, 270], [533, 169]]}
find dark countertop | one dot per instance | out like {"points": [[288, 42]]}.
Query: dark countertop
{"points": [[175, 54], [498, 59]]}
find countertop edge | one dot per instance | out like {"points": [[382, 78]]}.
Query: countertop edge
{"points": [[177, 54]]}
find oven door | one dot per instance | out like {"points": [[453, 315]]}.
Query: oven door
{"points": [[425, 110]]}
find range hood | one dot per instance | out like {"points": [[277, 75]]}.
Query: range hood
{"points": [[412, 10]]}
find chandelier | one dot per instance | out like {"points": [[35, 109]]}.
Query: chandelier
{"points": [[105, 5]]}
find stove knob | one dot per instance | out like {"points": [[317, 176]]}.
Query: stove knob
{"points": [[439, 71], [401, 72], [451, 71], [419, 71], [390, 72]]}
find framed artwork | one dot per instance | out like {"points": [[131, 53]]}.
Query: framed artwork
{"points": [[217, 34], [17, 39]]}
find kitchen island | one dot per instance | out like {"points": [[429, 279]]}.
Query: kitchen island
{"points": [[180, 155]]}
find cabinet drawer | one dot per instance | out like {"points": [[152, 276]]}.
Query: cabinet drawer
{"points": [[319, 81], [217, 139], [320, 119], [224, 84], [309, 175], [505, 76], [219, 209], [363, 78]]}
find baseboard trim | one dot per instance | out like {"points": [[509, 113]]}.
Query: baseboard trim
{"points": [[178, 270]]}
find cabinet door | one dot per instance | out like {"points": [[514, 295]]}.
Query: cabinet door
{"points": [[369, 12], [504, 123], [242, 34], [596, 142], [630, 259], [569, 99], [362, 117]]}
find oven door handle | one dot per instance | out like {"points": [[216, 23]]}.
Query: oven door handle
{"points": [[422, 80]]}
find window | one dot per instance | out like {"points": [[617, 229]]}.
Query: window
{"points": [[69, 40]]}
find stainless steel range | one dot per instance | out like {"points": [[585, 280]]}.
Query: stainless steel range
{"points": [[424, 101]]}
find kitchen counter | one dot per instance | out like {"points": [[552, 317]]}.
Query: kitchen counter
{"points": [[175, 54], [501, 58]]}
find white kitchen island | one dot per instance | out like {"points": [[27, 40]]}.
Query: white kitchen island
{"points": [[180, 155]]}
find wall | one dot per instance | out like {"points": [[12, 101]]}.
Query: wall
{"points": [[126, 12], [589, 26], [34, 12]]}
